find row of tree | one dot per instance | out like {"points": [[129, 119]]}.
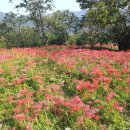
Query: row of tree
{"points": [[105, 21], [20, 31]]}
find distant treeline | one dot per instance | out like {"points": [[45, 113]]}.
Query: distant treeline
{"points": [[104, 22]]}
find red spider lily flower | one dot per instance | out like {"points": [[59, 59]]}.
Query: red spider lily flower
{"points": [[18, 81], [76, 100], [24, 76], [89, 115], [20, 117], [110, 96], [48, 96], [70, 66], [20, 102], [79, 88], [31, 62], [23, 91], [114, 71], [38, 105], [92, 90], [30, 94], [13, 128], [24, 70], [97, 71], [55, 87], [73, 104], [25, 111], [90, 112], [97, 117], [37, 78], [87, 85], [60, 101], [28, 100], [2, 80], [1, 70], [119, 79], [36, 112], [90, 102], [17, 110], [30, 119], [57, 111], [95, 85], [100, 107], [10, 98], [83, 70], [103, 127], [125, 69], [80, 120], [83, 85], [97, 101], [106, 80], [29, 127], [117, 106], [46, 108], [128, 80]]}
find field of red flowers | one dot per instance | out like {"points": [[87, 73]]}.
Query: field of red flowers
{"points": [[64, 89]]}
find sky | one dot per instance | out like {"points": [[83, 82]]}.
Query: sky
{"points": [[5, 6]]}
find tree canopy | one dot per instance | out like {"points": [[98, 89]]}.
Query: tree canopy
{"points": [[110, 18]]}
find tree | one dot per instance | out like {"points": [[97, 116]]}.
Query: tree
{"points": [[29, 37], [62, 24], [108, 16], [11, 28], [37, 10], [15, 33]]}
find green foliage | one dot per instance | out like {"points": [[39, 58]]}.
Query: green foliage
{"points": [[29, 37], [81, 39], [2, 45], [63, 23], [105, 21], [53, 29], [57, 39], [109, 18], [72, 39], [14, 35], [2, 42], [37, 10]]}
